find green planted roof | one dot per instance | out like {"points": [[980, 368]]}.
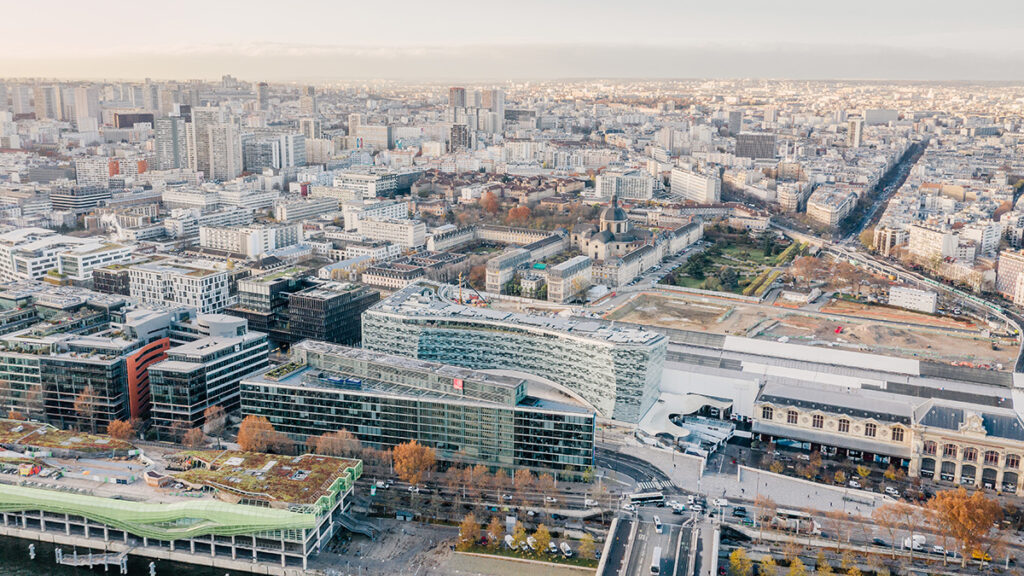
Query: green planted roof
{"points": [[170, 521]]}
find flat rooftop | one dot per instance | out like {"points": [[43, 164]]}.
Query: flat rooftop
{"points": [[423, 300]]}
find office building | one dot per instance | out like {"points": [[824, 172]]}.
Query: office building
{"points": [[756, 145], [205, 372], [329, 311], [466, 416], [130, 119], [263, 95], [615, 369], [195, 285], [699, 188], [307, 101], [459, 138]]}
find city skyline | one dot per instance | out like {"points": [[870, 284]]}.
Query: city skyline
{"points": [[324, 41]]}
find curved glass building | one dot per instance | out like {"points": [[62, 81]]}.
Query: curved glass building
{"points": [[617, 370]]}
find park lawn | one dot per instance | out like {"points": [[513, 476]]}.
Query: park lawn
{"points": [[537, 556], [747, 252]]}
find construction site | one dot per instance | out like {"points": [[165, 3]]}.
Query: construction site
{"points": [[829, 323]]}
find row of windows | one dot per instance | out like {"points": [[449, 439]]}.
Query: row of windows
{"points": [[970, 454], [818, 421]]}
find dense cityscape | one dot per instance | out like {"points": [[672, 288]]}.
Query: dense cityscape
{"points": [[576, 326]]}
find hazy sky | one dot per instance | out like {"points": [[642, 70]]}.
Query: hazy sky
{"points": [[443, 39]]}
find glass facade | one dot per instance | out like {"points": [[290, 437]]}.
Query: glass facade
{"points": [[466, 416], [617, 371]]}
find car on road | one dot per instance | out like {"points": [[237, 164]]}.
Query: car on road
{"points": [[590, 503], [748, 522], [673, 503], [936, 549], [629, 507], [739, 512], [691, 499], [879, 542], [892, 492], [506, 497], [414, 489], [550, 500], [720, 503], [697, 508], [854, 484]]}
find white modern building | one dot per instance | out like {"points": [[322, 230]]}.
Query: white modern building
{"points": [[304, 209], [203, 287], [384, 210], [913, 299], [699, 188]]}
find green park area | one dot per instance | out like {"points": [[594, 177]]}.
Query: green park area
{"points": [[736, 262]]}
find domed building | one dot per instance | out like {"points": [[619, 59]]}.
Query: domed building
{"points": [[614, 237]]}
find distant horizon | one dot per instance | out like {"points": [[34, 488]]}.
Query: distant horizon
{"points": [[448, 40]]}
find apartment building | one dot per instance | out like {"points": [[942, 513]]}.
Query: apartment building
{"points": [[250, 241], [203, 287], [699, 188]]}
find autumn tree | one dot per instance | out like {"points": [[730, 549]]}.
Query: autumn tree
{"points": [[519, 533], [340, 443], [863, 471], [796, 568], [494, 532], [546, 486], [256, 434], [215, 419], [85, 406], [587, 546], [522, 481], [413, 460], [489, 202], [768, 567], [543, 538], [519, 215], [499, 483], [119, 430], [821, 565], [193, 438], [477, 480], [840, 477], [739, 563], [966, 519], [469, 532]]}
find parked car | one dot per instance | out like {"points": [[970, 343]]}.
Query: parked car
{"points": [[739, 512], [892, 492], [854, 484], [720, 503]]}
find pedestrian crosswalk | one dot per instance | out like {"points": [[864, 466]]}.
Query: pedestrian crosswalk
{"points": [[653, 485]]}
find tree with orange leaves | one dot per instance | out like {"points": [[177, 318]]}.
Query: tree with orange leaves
{"points": [[966, 519], [413, 460], [120, 430], [489, 202], [256, 434]]}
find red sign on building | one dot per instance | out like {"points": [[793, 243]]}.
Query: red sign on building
{"points": [[457, 383]]}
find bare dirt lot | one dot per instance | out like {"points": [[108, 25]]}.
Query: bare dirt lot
{"points": [[864, 327]]}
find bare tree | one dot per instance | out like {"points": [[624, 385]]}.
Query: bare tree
{"points": [[86, 405]]}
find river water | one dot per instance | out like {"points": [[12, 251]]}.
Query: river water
{"points": [[14, 561]]}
